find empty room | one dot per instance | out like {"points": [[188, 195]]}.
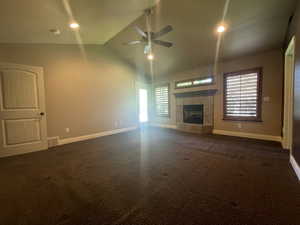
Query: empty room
{"points": [[150, 112]]}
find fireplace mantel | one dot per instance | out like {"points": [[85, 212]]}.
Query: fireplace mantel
{"points": [[208, 92]]}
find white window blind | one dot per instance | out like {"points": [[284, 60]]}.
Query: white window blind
{"points": [[242, 95], [162, 100]]}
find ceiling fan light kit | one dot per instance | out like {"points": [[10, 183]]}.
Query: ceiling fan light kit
{"points": [[150, 56]]}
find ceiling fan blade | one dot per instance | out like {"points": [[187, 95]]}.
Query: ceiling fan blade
{"points": [[162, 32], [163, 43], [133, 43], [147, 49], [140, 31]]}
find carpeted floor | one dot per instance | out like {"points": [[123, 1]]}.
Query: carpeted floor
{"points": [[154, 176]]}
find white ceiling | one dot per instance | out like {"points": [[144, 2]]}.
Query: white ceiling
{"points": [[253, 26], [29, 21]]}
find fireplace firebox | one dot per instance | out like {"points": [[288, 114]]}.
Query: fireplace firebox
{"points": [[193, 114]]}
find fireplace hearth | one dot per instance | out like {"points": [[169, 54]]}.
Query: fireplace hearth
{"points": [[193, 114]]}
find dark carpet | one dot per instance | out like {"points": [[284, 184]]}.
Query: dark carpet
{"points": [[151, 177]]}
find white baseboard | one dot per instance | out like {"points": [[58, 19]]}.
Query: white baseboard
{"points": [[52, 138], [248, 135], [95, 135], [163, 125], [295, 166]]}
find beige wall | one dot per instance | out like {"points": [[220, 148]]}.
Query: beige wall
{"points": [[90, 92], [87, 93], [272, 63]]}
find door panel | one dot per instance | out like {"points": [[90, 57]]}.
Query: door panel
{"points": [[19, 89], [21, 131], [22, 101]]}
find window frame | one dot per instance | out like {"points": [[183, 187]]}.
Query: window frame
{"points": [[154, 92], [258, 118], [194, 79]]}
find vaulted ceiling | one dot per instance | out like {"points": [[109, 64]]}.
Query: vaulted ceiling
{"points": [[29, 21], [253, 26]]}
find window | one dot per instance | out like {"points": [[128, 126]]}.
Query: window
{"points": [[143, 105], [162, 100], [194, 82], [242, 95]]}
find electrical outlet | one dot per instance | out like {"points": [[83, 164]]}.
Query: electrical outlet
{"points": [[67, 130], [116, 124], [239, 125], [266, 99]]}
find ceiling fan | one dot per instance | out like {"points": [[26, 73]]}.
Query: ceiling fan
{"points": [[149, 37]]}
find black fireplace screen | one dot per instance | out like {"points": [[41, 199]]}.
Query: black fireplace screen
{"points": [[193, 114]]}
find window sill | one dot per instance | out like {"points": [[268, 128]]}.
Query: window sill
{"points": [[243, 120], [163, 116]]}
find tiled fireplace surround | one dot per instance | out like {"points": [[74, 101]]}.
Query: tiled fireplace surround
{"points": [[195, 98]]}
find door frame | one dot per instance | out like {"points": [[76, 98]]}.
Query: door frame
{"points": [[289, 68], [41, 90]]}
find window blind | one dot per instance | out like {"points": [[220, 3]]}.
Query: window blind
{"points": [[162, 100], [242, 95], [194, 82]]}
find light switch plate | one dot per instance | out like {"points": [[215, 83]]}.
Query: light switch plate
{"points": [[266, 99]]}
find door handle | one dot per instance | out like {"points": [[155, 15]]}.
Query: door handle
{"points": [[42, 113]]}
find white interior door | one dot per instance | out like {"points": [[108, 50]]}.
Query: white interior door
{"points": [[22, 109]]}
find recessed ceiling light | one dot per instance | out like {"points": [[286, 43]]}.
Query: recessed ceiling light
{"points": [[221, 29], [150, 56], [74, 25]]}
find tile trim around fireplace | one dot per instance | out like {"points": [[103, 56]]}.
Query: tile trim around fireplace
{"points": [[206, 101]]}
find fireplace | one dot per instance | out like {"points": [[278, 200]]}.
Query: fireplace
{"points": [[193, 114]]}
